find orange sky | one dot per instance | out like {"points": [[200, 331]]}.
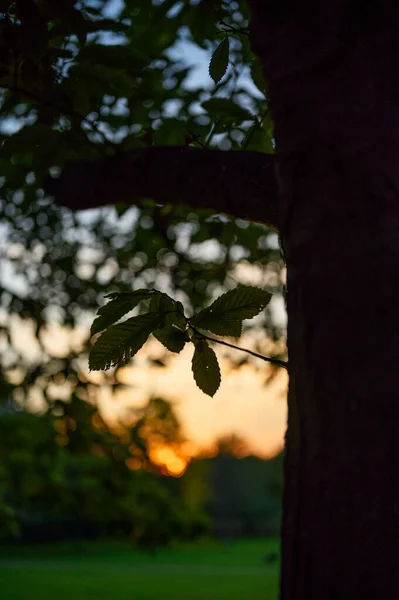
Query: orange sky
{"points": [[243, 405]]}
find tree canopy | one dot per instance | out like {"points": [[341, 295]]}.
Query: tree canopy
{"points": [[93, 88]]}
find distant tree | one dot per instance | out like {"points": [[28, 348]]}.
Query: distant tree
{"points": [[241, 493], [153, 426], [233, 445], [69, 476]]}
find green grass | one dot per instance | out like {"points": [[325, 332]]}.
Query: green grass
{"points": [[113, 571]]}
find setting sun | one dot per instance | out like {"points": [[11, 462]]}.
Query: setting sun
{"points": [[165, 456]]}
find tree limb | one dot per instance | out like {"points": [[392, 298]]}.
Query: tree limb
{"points": [[242, 184]]}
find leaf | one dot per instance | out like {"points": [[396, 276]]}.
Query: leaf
{"points": [[105, 25], [224, 316], [257, 75], [260, 137], [200, 20], [172, 332], [171, 310], [81, 100], [244, 302], [119, 305], [94, 78], [220, 325], [118, 80], [219, 61], [122, 341], [205, 368], [227, 111], [173, 339]]}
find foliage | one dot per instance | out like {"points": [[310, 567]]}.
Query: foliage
{"points": [[241, 493], [69, 475], [225, 315], [173, 328], [253, 506], [219, 61], [79, 80]]}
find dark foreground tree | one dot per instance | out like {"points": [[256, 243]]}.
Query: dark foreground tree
{"points": [[333, 84], [331, 72]]}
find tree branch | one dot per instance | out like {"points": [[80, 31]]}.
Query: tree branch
{"points": [[275, 361], [242, 184]]}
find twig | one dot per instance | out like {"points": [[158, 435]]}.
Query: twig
{"points": [[232, 29], [275, 361]]}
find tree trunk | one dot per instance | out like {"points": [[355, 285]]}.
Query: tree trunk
{"points": [[334, 88], [341, 507]]}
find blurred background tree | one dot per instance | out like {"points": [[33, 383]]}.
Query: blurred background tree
{"points": [[83, 80], [70, 477]]}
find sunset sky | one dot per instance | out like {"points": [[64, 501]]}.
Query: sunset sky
{"points": [[244, 405]]}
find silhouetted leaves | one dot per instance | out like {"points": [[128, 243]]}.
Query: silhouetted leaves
{"points": [[225, 315], [205, 368], [167, 321], [257, 75], [171, 332], [122, 341], [220, 61], [119, 305], [223, 109]]}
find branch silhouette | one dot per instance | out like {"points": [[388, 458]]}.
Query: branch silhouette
{"points": [[240, 184], [275, 361]]}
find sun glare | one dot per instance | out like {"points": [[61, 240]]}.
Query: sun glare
{"points": [[166, 457]]}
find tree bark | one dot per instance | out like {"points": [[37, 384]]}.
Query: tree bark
{"points": [[242, 184], [333, 84]]}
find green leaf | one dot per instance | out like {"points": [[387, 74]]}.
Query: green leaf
{"points": [[257, 75], [94, 78], [219, 61], [260, 137], [227, 111], [171, 310], [220, 325], [119, 80], [173, 339], [81, 100], [105, 25], [172, 332], [119, 305], [224, 316], [201, 20], [205, 368], [122, 341]]}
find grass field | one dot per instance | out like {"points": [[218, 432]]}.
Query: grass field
{"points": [[205, 571]]}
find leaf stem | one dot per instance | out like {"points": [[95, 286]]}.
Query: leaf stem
{"points": [[232, 29], [275, 361]]}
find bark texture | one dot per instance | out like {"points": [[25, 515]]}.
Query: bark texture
{"points": [[333, 83], [242, 184]]}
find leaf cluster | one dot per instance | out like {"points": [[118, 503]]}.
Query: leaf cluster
{"points": [[167, 321]]}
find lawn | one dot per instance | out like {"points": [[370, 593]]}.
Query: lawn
{"points": [[205, 571]]}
